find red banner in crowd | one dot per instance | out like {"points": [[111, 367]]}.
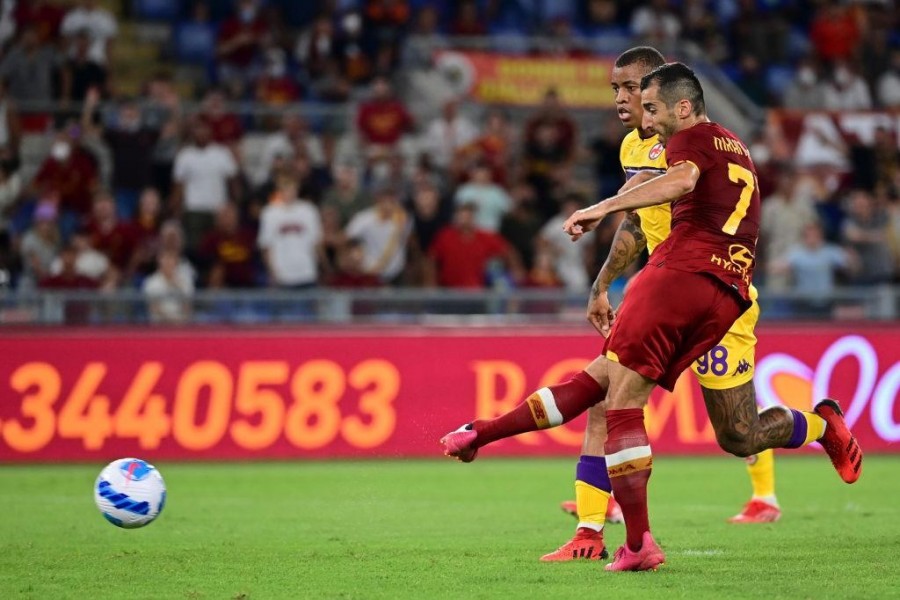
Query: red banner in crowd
{"points": [[523, 80], [235, 394]]}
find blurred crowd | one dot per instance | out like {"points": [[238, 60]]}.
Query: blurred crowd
{"points": [[161, 192]]}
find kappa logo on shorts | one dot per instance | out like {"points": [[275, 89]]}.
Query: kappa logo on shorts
{"points": [[656, 150], [743, 367]]}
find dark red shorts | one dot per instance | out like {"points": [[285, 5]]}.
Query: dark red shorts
{"points": [[668, 320]]}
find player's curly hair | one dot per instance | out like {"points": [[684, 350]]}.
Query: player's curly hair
{"points": [[676, 82], [647, 55]]}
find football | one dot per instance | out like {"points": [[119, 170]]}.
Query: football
{"points": [[130, 493]]}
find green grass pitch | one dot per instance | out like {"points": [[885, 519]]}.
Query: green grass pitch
{"points": [[439, 529]]}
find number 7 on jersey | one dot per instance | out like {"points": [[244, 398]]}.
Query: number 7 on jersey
{"points": [[738, 174]]}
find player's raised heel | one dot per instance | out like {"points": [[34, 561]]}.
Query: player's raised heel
{"points": [[648, 558], [586, 545], [839, 442], [458, 444]]}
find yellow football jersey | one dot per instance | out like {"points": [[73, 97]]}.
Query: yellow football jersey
{"points": [[637, 154]]}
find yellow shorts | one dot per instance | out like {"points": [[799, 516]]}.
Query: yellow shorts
{"points": [[732, 361]]}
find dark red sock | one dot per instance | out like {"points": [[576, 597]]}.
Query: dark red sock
{"points": [[629, 462], [547, 407]]}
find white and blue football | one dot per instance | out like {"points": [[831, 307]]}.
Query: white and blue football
{"points": [[130, 493]]}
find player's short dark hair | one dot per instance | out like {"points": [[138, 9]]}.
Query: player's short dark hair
{"points": [[647, 55], [676, 82]]}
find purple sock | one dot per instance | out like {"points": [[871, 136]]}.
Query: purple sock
{"points": [[798, 435], [592, 470]]}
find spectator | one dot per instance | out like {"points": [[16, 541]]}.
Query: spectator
{"points": [[550, 144], [383, 230], [169, 290], [569, 259], [28, 71], [89, 262], [290, 237], [108, 234], [45, 16], [355, 62], [76, 312], [68, 274], [785, 216], [10, 125], [228, 251], [835, 31], [846, 90], [275, 87], [425, 39], [238, 46], [812, 266], [147, 225], [204, 179], [81, 73], [345, 198], [461, 252], [385, 21], [885, 157], [39, 245], [447, 134], [752, 79], [522, 224], [429, 215], [468, 22], [600, 19], [225, 126], [315, 46], [10, 188], [382, 119], [655, 23], [805, 91], [292, 137], [543, 273], [351, 272], [130, 143], [493, 146], [491, 200], [99, 25], [70, 171], [865, 231], [889, 83]]}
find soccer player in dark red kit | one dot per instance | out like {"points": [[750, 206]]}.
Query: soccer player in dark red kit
{"points": [[686, 298]]}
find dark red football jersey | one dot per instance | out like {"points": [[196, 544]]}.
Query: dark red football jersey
{"points": [[715, 227]]}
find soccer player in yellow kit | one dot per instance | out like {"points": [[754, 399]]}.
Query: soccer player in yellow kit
{"points": [[726, 371]]}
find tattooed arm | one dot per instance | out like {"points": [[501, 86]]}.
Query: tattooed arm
{"points": [[627, 245]]}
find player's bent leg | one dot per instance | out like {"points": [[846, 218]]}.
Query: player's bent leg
{"points": [[743, 432], [547, 407]]}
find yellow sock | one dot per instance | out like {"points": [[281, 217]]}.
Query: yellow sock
{"points": [[592, 503], [761, 468], [815, 427]]}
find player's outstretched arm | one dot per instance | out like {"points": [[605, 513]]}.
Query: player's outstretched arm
{"points": [[672, 185], [627, 245]]}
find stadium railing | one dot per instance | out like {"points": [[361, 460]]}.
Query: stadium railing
{"points": [[392, 306]]}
